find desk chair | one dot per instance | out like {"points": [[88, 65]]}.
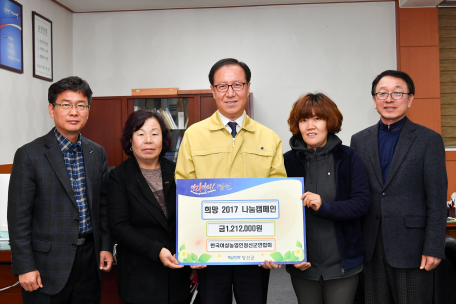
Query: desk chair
{"points": [[445, 275]]}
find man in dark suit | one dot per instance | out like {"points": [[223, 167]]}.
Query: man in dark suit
{"points": [[57, 218], [404, 231]]}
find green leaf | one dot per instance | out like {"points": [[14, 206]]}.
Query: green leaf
{"points": [[204, 258], [182, 247], [293, 258], [179, 258], [301, 258], [298, 244], [194, 257], [189, 259], [277, 256], [286, 256]]}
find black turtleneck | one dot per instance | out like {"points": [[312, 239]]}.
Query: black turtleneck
{"points": [[387, 141]]}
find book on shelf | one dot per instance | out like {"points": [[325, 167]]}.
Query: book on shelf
{"points": [[180, 120], [171, 119], [166, 119], [179, 139], [180, 105], [171, 155]]}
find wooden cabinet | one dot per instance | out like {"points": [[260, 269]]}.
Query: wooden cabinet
{"points": [[451, 229], [106, 119], [109, 114], [14, 296]]}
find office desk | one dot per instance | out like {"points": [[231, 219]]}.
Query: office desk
{"points": [[13, 295], [451, 229]]}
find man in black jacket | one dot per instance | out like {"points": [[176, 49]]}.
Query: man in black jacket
{"points": [[57, 217], [404, 231]]}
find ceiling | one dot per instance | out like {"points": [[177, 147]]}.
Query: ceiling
{"points": [[86, 6], [81, 6], [448, 3]]}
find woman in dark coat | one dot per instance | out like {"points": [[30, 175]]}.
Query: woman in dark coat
{"points": [[336, 196], [142, 216]]}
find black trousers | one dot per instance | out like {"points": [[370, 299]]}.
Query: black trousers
{"points": [[337, 291], [248, 282], [83, 285], [384, 284]]}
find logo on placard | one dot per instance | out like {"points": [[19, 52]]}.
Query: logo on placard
{"points": [[205, 188], [200, 189], [224, 186], [237, 257]]}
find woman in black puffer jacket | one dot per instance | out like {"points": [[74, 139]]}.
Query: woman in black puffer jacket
{"points": [[336, 196]]}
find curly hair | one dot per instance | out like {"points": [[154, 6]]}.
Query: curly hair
{"points": [[318, 104]]}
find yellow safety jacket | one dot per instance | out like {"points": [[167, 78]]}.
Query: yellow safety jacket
{"points": [[207, 151]]}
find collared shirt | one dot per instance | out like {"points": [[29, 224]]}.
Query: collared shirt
{"points": [[74, 162], [238, 122], [387, 141]]}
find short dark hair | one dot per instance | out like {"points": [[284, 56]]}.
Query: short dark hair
{"points": [[319, 105], [134, 122], [229, 61], [397, 74], [72, 83]]}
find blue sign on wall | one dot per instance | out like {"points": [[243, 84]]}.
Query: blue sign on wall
{"points": [[11, 55]]}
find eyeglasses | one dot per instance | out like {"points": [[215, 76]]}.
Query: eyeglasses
{"points": [[394, 95], [237, 86], [67, 106]]}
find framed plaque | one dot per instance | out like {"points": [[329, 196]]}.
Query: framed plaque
{"points": [[237, 221], [42, 47], [11, 51]]}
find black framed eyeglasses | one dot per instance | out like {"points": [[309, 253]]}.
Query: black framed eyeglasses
{"points": [[394, 95], [67, 106], [237, 86]]}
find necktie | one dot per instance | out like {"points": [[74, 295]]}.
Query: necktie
{"points": [[232, 125]]}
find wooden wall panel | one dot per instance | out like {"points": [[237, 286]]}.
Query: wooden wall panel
{"points": [[451, 172], [418, 56], [426, 112], [447, 32], [447, 18], [419, 27], [422, 64]]}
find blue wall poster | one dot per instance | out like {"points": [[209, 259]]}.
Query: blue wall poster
{"points": [[11, 56]]}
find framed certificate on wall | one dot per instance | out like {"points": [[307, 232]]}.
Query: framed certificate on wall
{"points": [[42, 47], [11, 53]]}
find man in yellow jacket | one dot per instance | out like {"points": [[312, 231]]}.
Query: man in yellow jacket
{"points": [[230, 144]]}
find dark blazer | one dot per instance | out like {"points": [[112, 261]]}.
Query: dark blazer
{"points": [[141, 229], [43, 217], [412, 201], [351, 204]]}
